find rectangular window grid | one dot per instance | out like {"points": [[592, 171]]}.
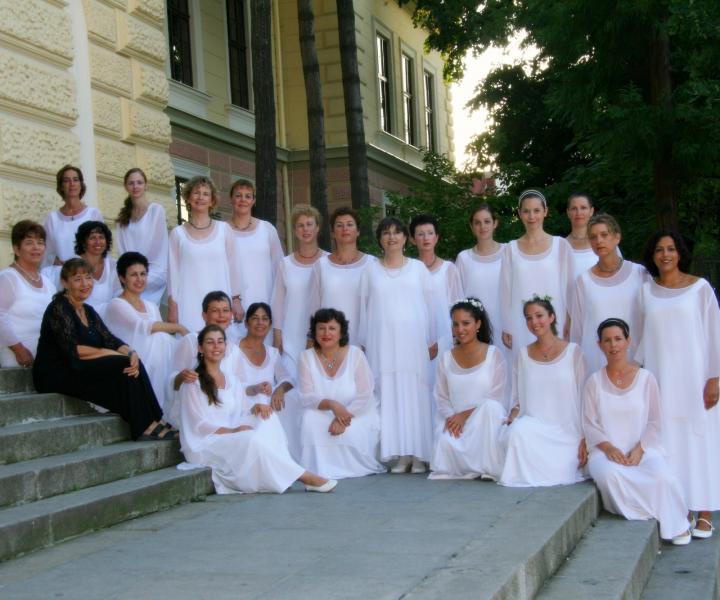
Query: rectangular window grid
{"points": [[180, 42], [383, 74], [408, 95], [430, 111], [238, 54]]}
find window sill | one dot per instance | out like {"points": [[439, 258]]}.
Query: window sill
{"points": [[240, 120], [188, 99]]}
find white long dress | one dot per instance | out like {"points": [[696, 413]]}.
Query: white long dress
{"points": [[21, 310], [478, 450], [185, 357], [595, 299], [273, 371], [625, 417], [338, 286], [354, 452], [542, 442], [397, 326], [480, 277], [156, 350], [257, 255], [680, 346], [149, 236], [104, 289], [290, 308], [585, 259], [197, 267], [244, 462], [447, 289], [60, 231], [523, 275]]}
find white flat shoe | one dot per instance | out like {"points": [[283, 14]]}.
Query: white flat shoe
{"points": [[402, 465], [418, 466], [326, 487], [486, 477], [702, 534], [683, 539]]}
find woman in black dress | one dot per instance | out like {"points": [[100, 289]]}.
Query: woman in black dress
{"points": [[78, 356]]}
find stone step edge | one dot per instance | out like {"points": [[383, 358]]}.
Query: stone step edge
{"points": [[41, 524], [613, 560], [23, 408], [15, 379], [500, 566], [40, 478]]}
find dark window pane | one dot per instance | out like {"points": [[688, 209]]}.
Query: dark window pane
{"points": [[238, 54], [179, 39]]}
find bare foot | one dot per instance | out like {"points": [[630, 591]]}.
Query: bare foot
{"points": [[309, 478]]}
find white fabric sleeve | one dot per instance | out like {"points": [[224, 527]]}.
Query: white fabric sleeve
{"points": [[314, 291], [498, 388], [460, 266], [711, 320], [50, 245], [124, 322], [592, 426], [454, 284], [506, 307], [652, 436], [174, 264], [575, 308], [280, 372], [363, 292], [308, 394], [277, 303], [430, 301], [185, 356], [8, 296], [442, 391], [580, 366], [364, 382], [196, 416], [232, 260], [515, 387], [157, 249], [276, 249], [567, 268]]}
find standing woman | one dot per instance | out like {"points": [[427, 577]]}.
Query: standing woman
{"points": [[62, 224], [201, 254], [479, 266], [258, 252], [680, 347], [580, 209], [24, 296], [141, 226], [335, 281], [138, 321], [534, 264], [611, 288], [621, 420], [397, 329], [290, 297], [545, 444], [471, 397], [247, 453]]}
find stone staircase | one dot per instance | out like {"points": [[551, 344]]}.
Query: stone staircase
{"points": [[66, 470]]}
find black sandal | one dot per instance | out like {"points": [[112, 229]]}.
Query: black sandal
{"points": [[168, 434], [153, 435]]}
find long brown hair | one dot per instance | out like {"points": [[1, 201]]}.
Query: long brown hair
{"points": [[123, 218], [207, 383]]}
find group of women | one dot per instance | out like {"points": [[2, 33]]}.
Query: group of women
{"points": [[517, 363]]}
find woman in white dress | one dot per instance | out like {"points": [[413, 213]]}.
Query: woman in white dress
{"points": [[471, 397], [479, 266], [62, 224], [680, 347], [611, 288], [340, 423], [335, 282], [247, 453], [291, 293], [544, 440], [261, 370], [534, 264], [621, 421], [397, 330], [202, 252], [580, 208], [447, 287], [141, 227], [258, 251], [24, 295], [138, 322]]}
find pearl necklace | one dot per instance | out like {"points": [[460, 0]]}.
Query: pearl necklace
{"points": [[198, 228], [329, 364], [250, 222], [615, 270], [301, 255], [393, 272], [36, 279]]}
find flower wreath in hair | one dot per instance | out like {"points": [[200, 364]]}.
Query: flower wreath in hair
{"points": [[474, 302], [537, 298]]}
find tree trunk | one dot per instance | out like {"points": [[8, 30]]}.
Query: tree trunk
{"points": [[357, 150], [666, 188], [316, 117], [264, 97]]}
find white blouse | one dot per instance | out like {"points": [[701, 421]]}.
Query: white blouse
{"points": [[258, 253], [61, 230]]}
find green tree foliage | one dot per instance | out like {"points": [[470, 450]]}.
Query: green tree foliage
{"points": [[622, 101]]}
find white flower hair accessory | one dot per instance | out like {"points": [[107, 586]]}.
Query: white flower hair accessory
{"points": [[537, 298], [472, 301]]}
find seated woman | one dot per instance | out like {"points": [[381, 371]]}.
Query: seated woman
{"points": [[246, 453], [340, 427], [621, 418], [544, 441], [139, 322], [471, 398], [24, 296], [78, 356], [262, 371]]}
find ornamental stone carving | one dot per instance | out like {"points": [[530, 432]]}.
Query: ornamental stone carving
{"points": [[25, 202], [36, 148], [39, 24]]}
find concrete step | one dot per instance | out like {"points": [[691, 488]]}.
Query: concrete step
{"points": [[27, 407], [59, 436], [515, 558], [612, 562], [687, 571], [14, 380], [33, 480], [31, 526]]}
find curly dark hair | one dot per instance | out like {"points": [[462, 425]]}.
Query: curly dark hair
{"points": [[685, 258], [477, 309], [85, 230], [128, 259], [325, 315]]}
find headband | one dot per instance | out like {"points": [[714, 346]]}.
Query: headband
{"points": [[535, 194]]}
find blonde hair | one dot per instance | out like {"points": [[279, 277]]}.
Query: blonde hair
{"points": [[197, 181], [305, 210], [607, 220]]}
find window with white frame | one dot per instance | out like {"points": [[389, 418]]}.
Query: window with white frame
{"points": [[382, 50], [181, 64], [430, 136], [238, 53], [408, 99]]}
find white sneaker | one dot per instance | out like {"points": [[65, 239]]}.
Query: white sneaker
{"points": [[683, 539], [326, 487], [402, 465], [418, 466]]}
